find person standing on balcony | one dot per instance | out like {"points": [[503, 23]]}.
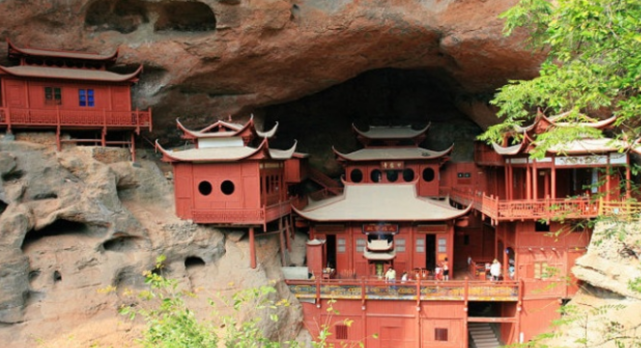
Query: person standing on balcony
{"points": [[446, 270], [495, 270], [390, 275], [404, 277]]}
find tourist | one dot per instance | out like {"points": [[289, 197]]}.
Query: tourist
{"points": [[404, 277], [438, 273], [495, 270], [446, 270], [390, 275]]}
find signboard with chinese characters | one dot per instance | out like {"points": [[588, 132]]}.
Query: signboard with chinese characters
{"points": [[392, 164], [380, 228]]}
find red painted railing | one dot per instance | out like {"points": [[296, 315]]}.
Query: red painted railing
{"points": [[502, 210], [413, 290], [20, 117]]}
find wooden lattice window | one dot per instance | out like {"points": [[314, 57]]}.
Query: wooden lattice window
{"points": [[341, 331], [440, 334], [53, 96]]}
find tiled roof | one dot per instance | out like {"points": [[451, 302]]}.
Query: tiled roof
{"points": [[387, 153], [226, 154], [230, 129], [62, 54], [391, 132], [380, 202], [68, 74]]}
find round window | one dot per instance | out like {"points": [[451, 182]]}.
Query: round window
{"points": [[376, 175], [227, 187], [408, 174], [392, 175], [428, 174], [356, 175], [204, 188]]}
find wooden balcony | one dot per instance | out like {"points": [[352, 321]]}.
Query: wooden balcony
{"points": [[76, 119], [242, 217], [533, 209], [414, 290]]}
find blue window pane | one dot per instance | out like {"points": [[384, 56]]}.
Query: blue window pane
{"points": [[82, 97]]}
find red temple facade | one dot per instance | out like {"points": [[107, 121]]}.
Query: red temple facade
{"points": [[64, 90], [231, 177], [395, 212]]}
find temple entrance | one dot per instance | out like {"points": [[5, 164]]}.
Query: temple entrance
{"points": [[331, 251], [430, 252]]}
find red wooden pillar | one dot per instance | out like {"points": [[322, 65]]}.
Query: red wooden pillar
{"points": [[546, 182], [553, 189], [507, 181], [466, 318], [252, 248], [535, 184], [608, 174], [628, 194], [528, 183]]}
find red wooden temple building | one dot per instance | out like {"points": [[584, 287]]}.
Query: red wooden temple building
{"points": [[231, 177], [70, 91], [395, 212]]}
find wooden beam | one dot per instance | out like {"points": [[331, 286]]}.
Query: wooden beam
{"points": [[252, 249]]}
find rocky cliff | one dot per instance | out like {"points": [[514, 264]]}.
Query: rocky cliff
{"points": [[85, 219], [606, 308], [213, 58]]}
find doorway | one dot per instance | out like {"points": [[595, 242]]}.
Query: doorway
{"points": [[430, 252], [331, 251]]}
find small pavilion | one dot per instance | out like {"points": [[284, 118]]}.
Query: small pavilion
{"points": [[231, 177], [67, 90]]}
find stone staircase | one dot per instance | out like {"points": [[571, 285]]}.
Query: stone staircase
{"points": [[482, 336]]}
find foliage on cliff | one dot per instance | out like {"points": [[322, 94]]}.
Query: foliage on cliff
{"points": [[593, 66]]}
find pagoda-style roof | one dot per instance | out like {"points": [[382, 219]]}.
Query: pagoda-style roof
{"points": [[15, 52], [391, 132], [392, 153], [589, 146], [378, 256], [69, 74], [373, 202], [575, 147], [222, 129], [227, 154]]}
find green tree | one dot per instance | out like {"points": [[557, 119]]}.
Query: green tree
{"points": [[593, 66], [171, 324]]}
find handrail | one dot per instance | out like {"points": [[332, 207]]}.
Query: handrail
{"points": [[411, 290], [573, 207], [26, 117]]}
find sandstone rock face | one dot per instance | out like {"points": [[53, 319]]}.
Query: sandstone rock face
{"points": [[208, 58], [71, 226], [605, 308]]}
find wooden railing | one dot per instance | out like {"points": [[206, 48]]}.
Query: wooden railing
{"points": [[414, 290], [509, 210], [626, 209], [22, 117]]}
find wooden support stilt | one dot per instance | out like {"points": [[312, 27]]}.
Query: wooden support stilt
{"points": [[288, 234], [133, 147], [252, 248], [281, 236]]}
